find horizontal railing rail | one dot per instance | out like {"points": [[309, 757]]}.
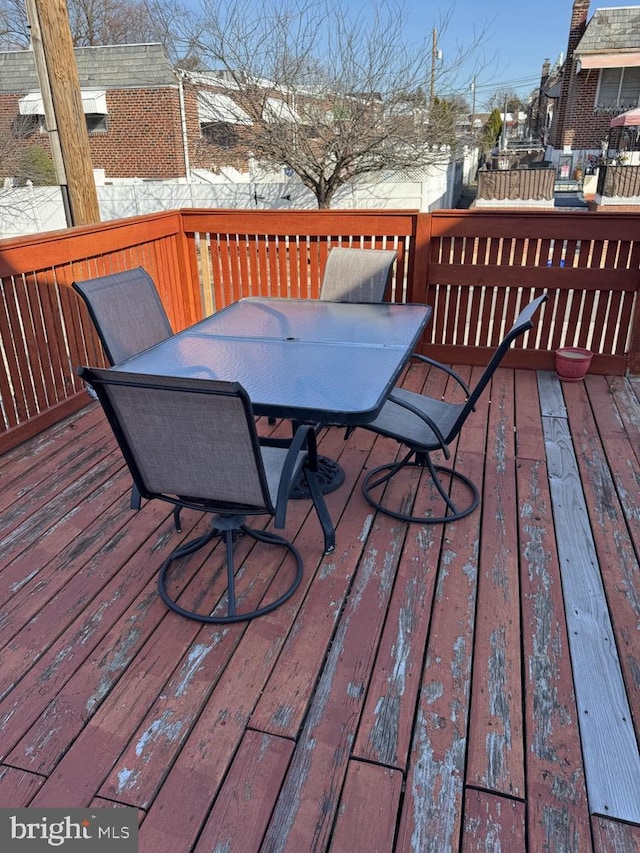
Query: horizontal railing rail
{"points": [[474, 267]]}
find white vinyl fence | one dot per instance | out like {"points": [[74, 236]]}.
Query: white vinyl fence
{"points": [[28, 210]]}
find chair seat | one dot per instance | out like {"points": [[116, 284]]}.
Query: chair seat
{"points": [[408, 427]]}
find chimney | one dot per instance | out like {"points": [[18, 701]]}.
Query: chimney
{"points": [[577, 28]]}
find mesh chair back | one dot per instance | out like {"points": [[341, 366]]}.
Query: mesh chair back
{"points": [[357, 275], [127, 312], [195, 439], [523, 322]]}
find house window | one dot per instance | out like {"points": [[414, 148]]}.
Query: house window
{"points": [[25, 126], [618, 89], [220, 133], [96, 123]]}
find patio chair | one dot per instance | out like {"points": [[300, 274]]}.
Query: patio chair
{"points": [[128, 316], [127, 312], [425, 424], [193, 443], [357, 275]]}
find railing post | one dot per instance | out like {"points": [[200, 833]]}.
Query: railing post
{"points": [[633, 355], [420, 276]]}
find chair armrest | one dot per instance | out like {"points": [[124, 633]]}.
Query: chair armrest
{"points": [[446, 369]]}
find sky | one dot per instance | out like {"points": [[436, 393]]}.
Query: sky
{"points": [[519, 37], [514, 38]]}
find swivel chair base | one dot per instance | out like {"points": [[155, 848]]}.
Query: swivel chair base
{"points": [[228, 527], [381, 475]]}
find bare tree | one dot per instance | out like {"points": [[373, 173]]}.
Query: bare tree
{"points": [[331, 94], [14, 27], [102, 22]]}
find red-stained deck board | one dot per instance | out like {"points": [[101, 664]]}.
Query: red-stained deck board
{"points": [[493, 823], [432, 806], [99, 595], [529, 440], [23, 470], [75, 780], [612, 836], [558, 811], [40, 572], [309, 798], [22, 535], [285, 699], [18, 787], [142, 766], [384, 735], [496, 732], [243, 807], [126, 649], [368, 807], [218, 727]]}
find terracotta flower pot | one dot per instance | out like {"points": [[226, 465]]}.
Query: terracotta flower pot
{"points": [[572, 363]]}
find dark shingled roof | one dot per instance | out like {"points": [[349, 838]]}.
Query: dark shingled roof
{"points": [[116, 66], [611, 30]]}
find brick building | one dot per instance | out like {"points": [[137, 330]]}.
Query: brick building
{"points": [[145, 119], [600, 79]]}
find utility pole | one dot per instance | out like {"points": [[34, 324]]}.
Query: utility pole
{"points": [[473, 105], [434, 56], [55, 62], [504, 126]]}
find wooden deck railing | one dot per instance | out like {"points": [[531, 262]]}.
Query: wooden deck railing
{"points": [[474, 267]]}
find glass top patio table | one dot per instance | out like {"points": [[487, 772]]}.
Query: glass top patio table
{"points": [[302, 359]]}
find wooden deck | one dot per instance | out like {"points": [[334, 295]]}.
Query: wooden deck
{"points": [[474, 686]]}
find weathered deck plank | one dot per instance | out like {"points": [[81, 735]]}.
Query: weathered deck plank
{"points": [[492, 823], [557, 808], [432, 808], [496, 727], [359, 715], [368, 808], [612, 765]]}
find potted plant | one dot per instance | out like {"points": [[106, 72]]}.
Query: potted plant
{"points": [[572, 363]]}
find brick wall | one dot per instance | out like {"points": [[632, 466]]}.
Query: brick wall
{"points": [[583, 128], [561, 132], [144, 137]]}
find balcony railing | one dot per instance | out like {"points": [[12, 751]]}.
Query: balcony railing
{"points": [[618, 182], [474, 267], [516, 186]]}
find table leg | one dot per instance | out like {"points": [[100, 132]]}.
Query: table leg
{"points": [[330, 477]]}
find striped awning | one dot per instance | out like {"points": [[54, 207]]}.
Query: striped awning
{"points": [[215, 107], [94, 102]]}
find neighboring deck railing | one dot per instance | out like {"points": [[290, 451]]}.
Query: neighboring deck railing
{"points": [[516, 186], [619, 182], [474, 267]]}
